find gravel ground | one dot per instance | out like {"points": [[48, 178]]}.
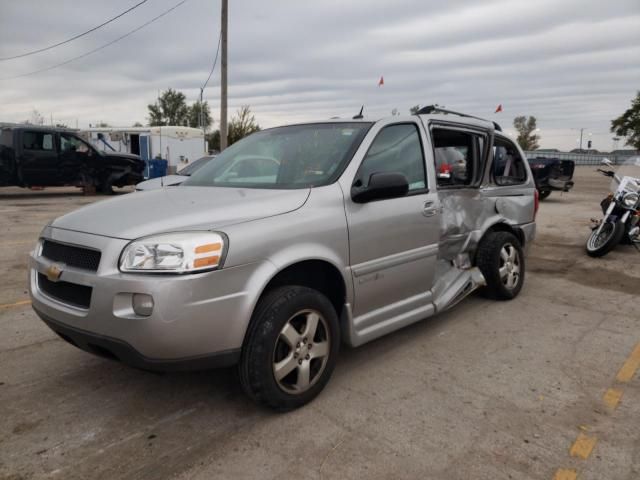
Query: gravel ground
{"points": [[511, 390]]}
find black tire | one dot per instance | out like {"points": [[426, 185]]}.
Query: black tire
{"points": [[265, 337], [614, 236], [490, 262], [542, 194], [106, 186]]}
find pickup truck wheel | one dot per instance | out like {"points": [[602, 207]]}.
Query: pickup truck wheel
{"points": [[106, 186], [500, 259], [542, 194], [290, 349]]}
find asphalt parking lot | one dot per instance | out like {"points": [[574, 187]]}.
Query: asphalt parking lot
{"points": [[541, 387]]}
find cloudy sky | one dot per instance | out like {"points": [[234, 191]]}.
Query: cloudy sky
{"points": [[572, 63]]}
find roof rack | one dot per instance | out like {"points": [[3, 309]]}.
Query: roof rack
{"points": [[435, 109]]}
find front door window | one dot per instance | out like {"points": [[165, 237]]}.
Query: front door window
{"points": [[396, 149]]}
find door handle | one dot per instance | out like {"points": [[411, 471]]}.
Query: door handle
{"points": [[430, 209]]}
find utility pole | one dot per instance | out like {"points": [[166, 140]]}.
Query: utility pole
{"points": [[201, 123], [223, 73], [615, 142], [200, 117], [581, 130]]}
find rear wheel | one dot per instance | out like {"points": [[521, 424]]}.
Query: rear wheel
{"points": [[106, 186], [603, 240], [544, 193], [290, 349], [500, 259]]}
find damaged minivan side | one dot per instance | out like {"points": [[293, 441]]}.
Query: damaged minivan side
{"points": [[33, 156], [297, 239]]}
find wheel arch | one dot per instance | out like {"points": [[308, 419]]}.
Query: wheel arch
{"points": [[316, 273], [505, 227]]}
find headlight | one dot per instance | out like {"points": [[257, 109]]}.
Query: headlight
{"points": [[630, 200], [182, 252]]}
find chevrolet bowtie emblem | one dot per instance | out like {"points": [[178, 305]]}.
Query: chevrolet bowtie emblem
{"points": [[53, 272]]}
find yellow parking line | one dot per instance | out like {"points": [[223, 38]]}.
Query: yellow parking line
{"points": [[629, 368], [565, 474], [583, 446], [612, 397], [16, 304]]}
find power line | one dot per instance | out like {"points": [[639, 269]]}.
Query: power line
{"points": [[33, 52], [215, 60], [90, 52]]}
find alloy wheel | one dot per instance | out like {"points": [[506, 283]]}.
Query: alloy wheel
{"points": [[509, 266], [301, 351]]}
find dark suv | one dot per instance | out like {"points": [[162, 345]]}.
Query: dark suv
{"points": [[45, 157]]}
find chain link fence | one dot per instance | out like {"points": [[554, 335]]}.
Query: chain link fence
{"points": [[579, 158]]}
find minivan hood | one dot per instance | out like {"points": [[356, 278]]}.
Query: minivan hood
{"points": [[160, 182], [140, 214]]}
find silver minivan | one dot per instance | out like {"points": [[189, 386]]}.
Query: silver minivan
{"points": [[295, 240]]}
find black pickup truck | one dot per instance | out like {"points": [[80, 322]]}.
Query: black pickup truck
{"points": [[35, 156], [552, 174]]}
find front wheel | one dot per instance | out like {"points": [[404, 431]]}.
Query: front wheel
{"points": [[603, 240], [290, 349]]}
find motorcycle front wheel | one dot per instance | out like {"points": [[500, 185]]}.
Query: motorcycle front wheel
{"points": [[599, 244]]}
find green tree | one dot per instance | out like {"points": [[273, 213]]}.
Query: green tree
{"points": [[628, 124], [242, 124], [35, 119], [526, 127], [194, 115], [170, 109], [137, 124], [102, 125], [213, 139]]}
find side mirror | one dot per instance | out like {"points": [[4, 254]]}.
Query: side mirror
{"points": [[381, 186], [607, 162]]}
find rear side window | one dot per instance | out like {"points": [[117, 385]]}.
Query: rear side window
{"points": [[456, 156], [396, 149], [508, 165], [42, 141], [6, 138]]}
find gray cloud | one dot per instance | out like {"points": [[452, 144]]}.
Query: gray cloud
{"points": [[571, 64]]}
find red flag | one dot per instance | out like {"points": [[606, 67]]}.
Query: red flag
{"points": [[381, 82], [499, 109]]}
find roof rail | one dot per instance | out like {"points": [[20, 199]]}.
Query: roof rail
{"points": [[435, 109]]}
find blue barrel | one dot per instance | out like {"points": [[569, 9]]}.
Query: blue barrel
{"points": [[156, 168]]}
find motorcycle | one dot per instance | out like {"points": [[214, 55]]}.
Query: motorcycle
{"points": [[621, 208]]}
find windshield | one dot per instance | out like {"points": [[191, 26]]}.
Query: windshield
{"points": [[297, 156], [195, 165], [628, 171]]}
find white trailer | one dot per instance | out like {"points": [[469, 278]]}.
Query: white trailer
{"points": [[177, 145]]}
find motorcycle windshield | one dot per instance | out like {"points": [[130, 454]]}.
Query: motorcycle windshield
{"points": [[629, 174]]}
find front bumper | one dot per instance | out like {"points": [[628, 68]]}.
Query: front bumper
{"points": [[119, 350], [194, 318]]}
